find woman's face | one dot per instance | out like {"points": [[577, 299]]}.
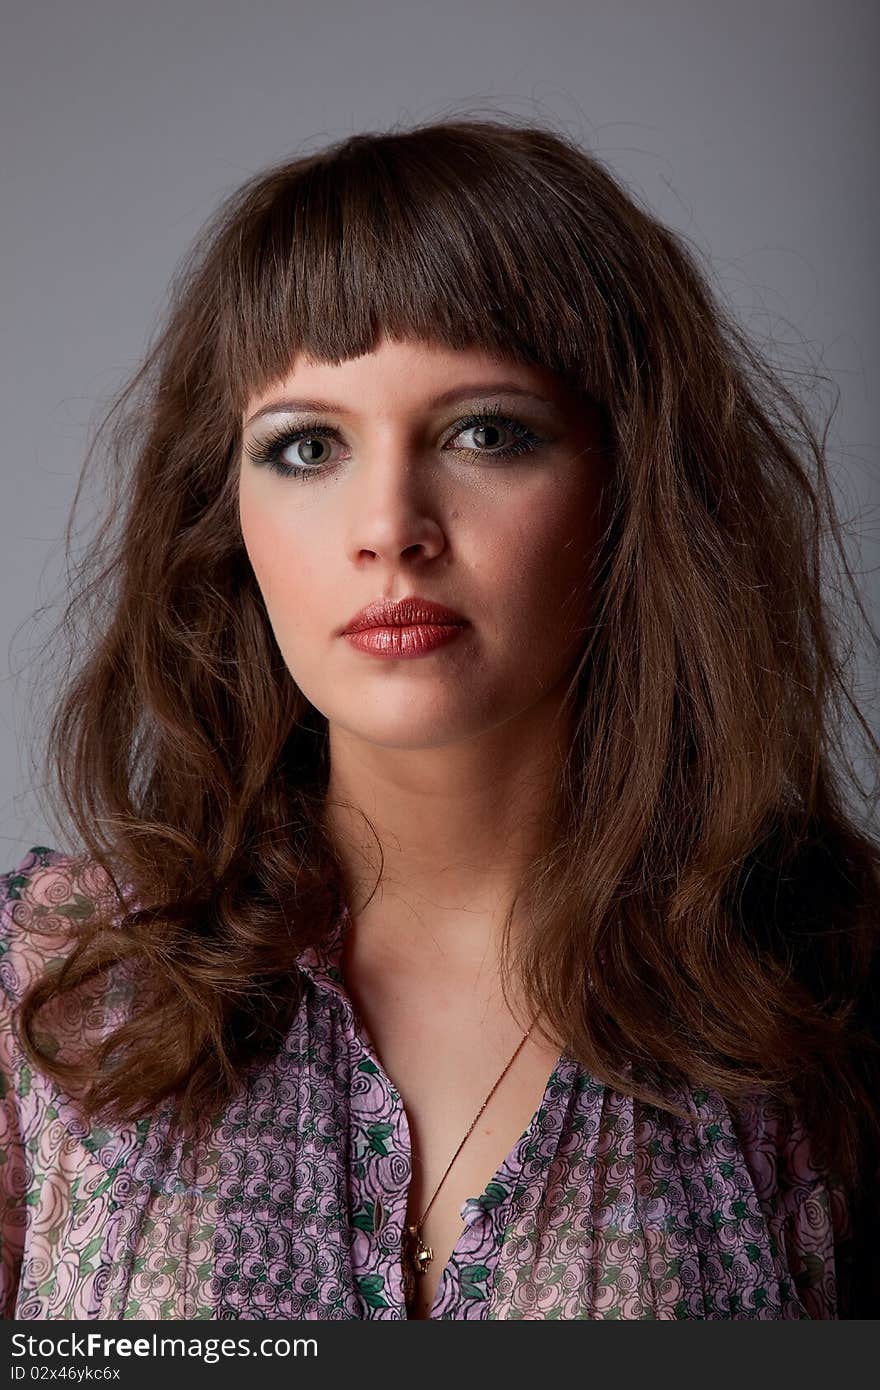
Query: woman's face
{"points": [[411, 490]]}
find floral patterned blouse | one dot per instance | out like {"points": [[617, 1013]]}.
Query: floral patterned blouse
{"points": [[293, 1207]]}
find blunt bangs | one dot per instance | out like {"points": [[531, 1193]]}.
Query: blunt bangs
{"points": [[386, 238]]}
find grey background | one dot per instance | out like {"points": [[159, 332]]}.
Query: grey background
{"points": [[749, 126]]}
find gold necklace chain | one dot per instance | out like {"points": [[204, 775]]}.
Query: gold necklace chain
{"points": [[417, 1256]]}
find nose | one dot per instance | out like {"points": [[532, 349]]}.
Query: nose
{"points": [[394, 509]]}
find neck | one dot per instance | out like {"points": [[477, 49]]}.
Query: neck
{"points": [[455, 827]]}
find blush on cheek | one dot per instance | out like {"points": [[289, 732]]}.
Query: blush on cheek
{"points": [[287, 581], [264, 542]]}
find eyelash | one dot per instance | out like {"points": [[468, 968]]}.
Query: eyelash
{"points": [[268, 453]]}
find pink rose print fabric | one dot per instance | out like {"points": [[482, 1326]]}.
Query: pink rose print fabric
{"points": [[293, 1205]]}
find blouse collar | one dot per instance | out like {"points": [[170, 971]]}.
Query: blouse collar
{"points": [[322, 962]]}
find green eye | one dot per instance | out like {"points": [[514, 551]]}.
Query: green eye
{"points": [[269, 452]]}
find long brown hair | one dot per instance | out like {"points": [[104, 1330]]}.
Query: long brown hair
{"points": [[708, 906]]}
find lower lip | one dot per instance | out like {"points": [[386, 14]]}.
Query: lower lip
{"points": [[398, 642]]}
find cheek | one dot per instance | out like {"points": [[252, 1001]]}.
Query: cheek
{"points": [[543, 550], [277, 551]]}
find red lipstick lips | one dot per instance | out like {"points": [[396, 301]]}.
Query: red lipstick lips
{"points": [[407, 627], [405, 612]]}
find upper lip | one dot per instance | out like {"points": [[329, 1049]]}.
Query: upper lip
{"points": [[404, 612]]}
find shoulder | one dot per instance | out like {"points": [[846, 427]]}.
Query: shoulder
{"points": [[807, 1211], [776, 1145], [44, 902]]}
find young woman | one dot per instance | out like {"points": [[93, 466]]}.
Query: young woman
{"points": [[465, 918]]}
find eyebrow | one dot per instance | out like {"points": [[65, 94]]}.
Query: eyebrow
{"points": [[478, 391]]}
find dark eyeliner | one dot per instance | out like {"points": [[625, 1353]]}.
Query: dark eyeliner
{"points": [[268, 452]]}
